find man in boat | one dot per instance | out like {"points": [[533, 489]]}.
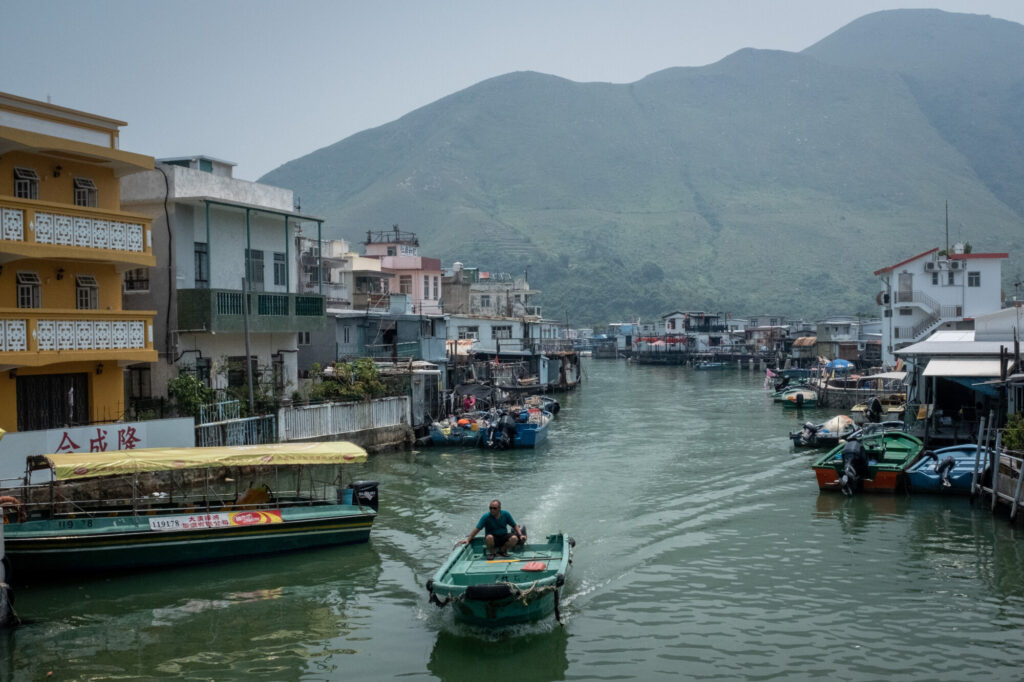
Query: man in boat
{"points": [[496, 524]]}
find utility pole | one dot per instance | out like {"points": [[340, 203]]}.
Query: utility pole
{"points": [[245, 328]]}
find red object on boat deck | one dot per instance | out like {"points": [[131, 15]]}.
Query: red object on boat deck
{"points": [[533, 566]]}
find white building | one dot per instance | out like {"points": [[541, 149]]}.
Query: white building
{"points": [[210, 231], [933, 291]]}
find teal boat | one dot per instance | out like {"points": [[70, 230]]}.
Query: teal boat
{"points": [[519, 588], [153, 508]]}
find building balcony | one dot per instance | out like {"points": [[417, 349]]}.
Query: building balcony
{"points": [[43, 229], [374, 302], [33, 337], [221, 310]]}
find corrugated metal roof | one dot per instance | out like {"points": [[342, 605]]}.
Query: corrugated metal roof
{"points": [[964, 367], [805, 341]]}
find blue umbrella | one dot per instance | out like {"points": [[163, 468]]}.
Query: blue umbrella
{"points": [[839, 364]]}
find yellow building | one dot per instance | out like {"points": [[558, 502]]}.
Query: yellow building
{"points": [[64, 247]]}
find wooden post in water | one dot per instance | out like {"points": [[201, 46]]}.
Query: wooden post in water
{"points": [[995, 469], [977, 456], [1016, 492]]}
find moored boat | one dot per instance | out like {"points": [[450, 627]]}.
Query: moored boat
{"points": [[544, 402], [874, 462], [799, 397], [709, 365], [531, 427], [503, 591], [825, 434], [464, 431], [880, 408], [948, 470], [152, 508]]}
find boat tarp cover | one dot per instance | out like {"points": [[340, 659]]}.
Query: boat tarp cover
{"points": [[838, 423], [78, 465]]}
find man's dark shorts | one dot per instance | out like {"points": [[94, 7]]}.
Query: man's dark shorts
{"points": [[501, 540]]}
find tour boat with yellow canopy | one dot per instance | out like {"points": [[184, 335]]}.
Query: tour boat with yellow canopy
{"points": [[149, 508]]}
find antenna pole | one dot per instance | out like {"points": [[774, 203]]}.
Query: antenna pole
{"points": [[947, 228]]}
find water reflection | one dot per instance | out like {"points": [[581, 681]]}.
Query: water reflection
{"points": [[856, 514], [265, 618], [523, 657]]}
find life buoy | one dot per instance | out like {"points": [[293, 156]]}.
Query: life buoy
{"points": [[10, 501]]}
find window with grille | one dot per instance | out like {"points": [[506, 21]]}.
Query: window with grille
{"points": [[254, 268], [405, 284], [26, 183], [86, 193], [136, 279], [202, 263], [437, 290], [974, 279], [236, 370], [29, 287], [280, 270], [426, 286], [86, 292], [501, 332]]}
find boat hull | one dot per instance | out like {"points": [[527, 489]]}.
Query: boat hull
{"points": [[141, 542], [880, 481], [922, 477], [454, 436], [530, 435]]}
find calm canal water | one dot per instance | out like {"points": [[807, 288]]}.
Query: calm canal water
{"points": [[703, 551]]}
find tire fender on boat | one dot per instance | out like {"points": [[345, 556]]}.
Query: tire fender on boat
{"points": [[488, 592]]}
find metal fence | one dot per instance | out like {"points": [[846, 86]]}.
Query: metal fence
{"points": [[332, 419], [249, 431], [218, 412]]}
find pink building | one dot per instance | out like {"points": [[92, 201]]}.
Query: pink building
{"points": [[419, 277]]}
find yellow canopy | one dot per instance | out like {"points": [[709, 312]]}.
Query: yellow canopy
{"points": [[76, 465]]}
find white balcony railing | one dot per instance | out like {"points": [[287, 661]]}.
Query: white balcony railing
{"points": [[60, 335], [63, 229]]}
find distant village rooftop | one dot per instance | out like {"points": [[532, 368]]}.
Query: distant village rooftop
{"points": [[392, 236]]}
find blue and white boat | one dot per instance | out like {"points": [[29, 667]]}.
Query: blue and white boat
{"points": [[531, 428], [947, 470]]}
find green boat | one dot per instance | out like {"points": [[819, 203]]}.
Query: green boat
{"points": [[885, 457], [519, 588], [152, 508]]}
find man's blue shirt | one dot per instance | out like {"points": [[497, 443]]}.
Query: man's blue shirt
{"points": [[496, 526]]}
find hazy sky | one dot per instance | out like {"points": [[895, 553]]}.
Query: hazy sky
{"points": [[260, 83]]}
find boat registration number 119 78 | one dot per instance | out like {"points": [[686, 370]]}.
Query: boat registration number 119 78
{"points": [[216, 520]]}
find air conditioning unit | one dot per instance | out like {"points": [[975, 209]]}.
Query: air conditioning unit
{"points": [[954, 265], [929, 266]]}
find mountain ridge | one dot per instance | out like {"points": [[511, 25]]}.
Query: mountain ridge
{"points": [[768, 180]]}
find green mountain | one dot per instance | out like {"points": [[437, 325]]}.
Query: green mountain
{"points": [[769, 181]]}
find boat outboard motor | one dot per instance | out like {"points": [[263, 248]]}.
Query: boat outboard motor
{"points": [[809, 434], [874, 410], [943, 468], [505, 433], [855, 468], [364, 493]]}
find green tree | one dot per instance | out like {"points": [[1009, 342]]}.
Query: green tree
{"points": [[358, 380], [189, 393]]}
